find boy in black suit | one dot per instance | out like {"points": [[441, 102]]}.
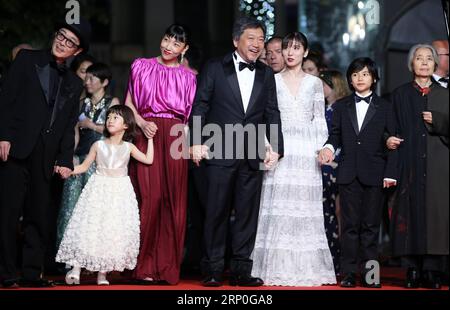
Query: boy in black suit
{"points": [[360, 125]]}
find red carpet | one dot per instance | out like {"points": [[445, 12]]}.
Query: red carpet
{"points": [[392, 279]]}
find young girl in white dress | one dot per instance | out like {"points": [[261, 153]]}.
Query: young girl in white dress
{"points": [[103, 232], [291, 247]]}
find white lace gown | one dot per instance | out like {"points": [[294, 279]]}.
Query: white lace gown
{"points": [[291, 246], [103, 232]]}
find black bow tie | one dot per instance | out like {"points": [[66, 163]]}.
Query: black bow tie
{"points": [[366, 99], [444, 80], [243, 65]]}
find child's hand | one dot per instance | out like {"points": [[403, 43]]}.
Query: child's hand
{"points": [[64, 172]]}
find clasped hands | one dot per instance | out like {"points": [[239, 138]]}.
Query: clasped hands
{"points": [[64, 172]]}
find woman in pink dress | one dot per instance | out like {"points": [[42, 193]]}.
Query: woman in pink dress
{"points": [[161, 92]]}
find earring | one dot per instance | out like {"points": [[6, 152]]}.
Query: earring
{"points": [[182, 58]]}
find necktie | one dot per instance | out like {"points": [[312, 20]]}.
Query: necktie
{"points": [[243, 65], [366, 99]]}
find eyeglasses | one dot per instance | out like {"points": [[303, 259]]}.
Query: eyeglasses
{"points": [[68, 42]]}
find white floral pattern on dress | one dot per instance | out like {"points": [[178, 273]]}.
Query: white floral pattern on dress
{"points": [[103, 232], [291, 246]]}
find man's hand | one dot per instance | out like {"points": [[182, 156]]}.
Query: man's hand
{"points": [[64, 172], [5, 147], [428, 117], [326, 156], [149, 129], [393, 143], [197, 153], [389, 183]]}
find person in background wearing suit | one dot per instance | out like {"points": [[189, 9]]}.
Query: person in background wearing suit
{"points": [[236, 90], [360, 126], [441, 73], [39, 105]]}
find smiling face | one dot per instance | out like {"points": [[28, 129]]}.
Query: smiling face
{"points": [[362, 81], [294, 53], [250, 44], [65, 44], [171, 49], [423, 63]]}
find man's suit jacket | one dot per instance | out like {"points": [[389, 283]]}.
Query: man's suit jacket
{"points": [[25, 112], [364, 154], [218, 102]]}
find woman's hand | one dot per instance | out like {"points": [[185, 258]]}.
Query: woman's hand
{"points": [[87, 123], [149, 129]]}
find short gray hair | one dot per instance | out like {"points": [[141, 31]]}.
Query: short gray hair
{"points": [[413, 51]]}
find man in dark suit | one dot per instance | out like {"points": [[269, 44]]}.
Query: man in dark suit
{"points": [[39, 108], [235, 91], [361, 124]]}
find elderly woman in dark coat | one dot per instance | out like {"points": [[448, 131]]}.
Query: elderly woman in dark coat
{"points": [[419, 219]]}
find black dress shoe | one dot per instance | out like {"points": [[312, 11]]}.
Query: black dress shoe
{"points": [[432, 280], [246, 280], [212, 281], [39, 283], [365, 284], [348, 280], [10, 284], [412, 278]]}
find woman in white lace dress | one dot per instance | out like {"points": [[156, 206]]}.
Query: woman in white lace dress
{"points": [[103, 232], [291, 245]]}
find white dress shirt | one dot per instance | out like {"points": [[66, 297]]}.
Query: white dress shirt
{"points": [[246, 79], [442, 83], [361, 109]]}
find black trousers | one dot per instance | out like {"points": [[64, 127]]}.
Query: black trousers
{"points": [[361, 210], [425, 262], [24, 190], [236, 188]]}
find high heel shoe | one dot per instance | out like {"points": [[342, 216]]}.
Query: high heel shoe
{"points": [[73, 276], [101, 279]]}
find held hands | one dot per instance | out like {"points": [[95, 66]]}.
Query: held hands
{"points": [[198, 153], [5, 147], [393, 143], [271, 159], [64, 172], [428, 117], [149, 129], [326, 156]]}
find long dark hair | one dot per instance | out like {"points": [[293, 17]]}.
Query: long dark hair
{"points": [[128, 119]]}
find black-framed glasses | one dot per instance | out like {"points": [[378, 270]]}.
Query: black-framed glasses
{"points": [[68, 42]]}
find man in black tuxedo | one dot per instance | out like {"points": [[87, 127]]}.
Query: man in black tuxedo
{"points": [[236, 90], [360, 126], [39, 108]]}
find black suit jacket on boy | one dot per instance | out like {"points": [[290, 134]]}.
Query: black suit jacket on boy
{"points": [[364, 154]]}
